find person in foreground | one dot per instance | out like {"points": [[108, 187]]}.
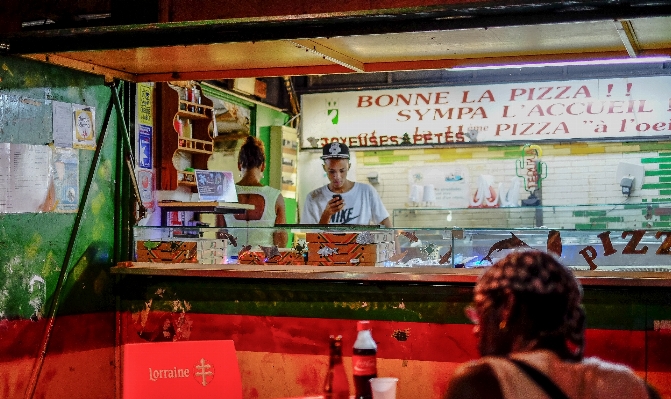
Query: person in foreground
{"points": [[269, 208], [530, 328], [343, 201]]}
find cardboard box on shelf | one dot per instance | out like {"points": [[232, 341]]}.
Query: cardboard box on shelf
{"points": [[286, 257], [367, 237], [350, 253], [252, 258], [167, 251], [212, 251], [349, 263], [257, 257]]}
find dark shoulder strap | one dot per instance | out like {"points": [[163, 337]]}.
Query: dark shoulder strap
{"points": [[652, 392], [542, 380]]}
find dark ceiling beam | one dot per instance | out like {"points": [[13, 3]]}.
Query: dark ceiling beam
{"points": [[241, 73], [326, 25]]}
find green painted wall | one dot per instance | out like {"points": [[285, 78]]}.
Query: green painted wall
{"points": [[33, 245], [614, 308], [265, 118]]}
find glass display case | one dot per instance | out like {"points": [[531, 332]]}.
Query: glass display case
{"points": [[645, 215], [615, 250]]}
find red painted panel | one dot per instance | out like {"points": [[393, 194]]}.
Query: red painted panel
{"points": [[19, 338], [396, 340], [79, 360], [659, 351], [22, 338], [453, 343], [661, 381], [84, 345], [619, 346]]}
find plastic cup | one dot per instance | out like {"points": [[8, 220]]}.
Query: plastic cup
{"points": [[383, 387]]}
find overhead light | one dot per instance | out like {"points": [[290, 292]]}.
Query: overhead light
{"points": [[38, 22], [89, 17], [616, 61], [329, 54]]}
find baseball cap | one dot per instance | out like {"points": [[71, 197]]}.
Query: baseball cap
{"points": [[335, 150]]}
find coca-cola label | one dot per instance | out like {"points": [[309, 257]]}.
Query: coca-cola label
{"points": [[363, 365]]}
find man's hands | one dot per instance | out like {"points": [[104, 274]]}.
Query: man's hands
{"points": [[335, 205]]}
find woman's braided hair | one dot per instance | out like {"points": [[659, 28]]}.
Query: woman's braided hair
{"points": [[252, 153], [547, 295]]}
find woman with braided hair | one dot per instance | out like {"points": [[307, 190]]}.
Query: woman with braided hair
{"points": [[269, 208], [530, 327]]}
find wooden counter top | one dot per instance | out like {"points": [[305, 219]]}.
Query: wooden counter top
{"points": [[438, 275]]}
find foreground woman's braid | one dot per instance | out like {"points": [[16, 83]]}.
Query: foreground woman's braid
{"points": [[543, 281]]}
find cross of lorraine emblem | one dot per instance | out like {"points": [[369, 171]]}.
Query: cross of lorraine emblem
{"points": [[204, 372], [335, 149]]}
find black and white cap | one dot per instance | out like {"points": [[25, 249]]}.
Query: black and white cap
{"points": [[335, 150]]}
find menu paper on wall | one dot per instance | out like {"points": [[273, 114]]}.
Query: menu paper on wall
{"points": [[21, 114], [83, 132], [26, 181], [66, 179], [610, 108], [61, 116], [5, 175]]}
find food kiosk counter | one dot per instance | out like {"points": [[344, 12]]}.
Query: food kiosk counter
{"points": [[412, 283]]}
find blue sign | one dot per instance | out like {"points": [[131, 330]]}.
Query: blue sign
{"points": [[145, 160]]}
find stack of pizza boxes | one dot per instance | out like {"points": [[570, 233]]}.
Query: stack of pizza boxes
{"points": [[212, 251], [286, 256], [167, 251], [360, 248], [205, 251]]}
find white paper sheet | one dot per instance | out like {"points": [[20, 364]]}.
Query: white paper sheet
{"points": [[62, 124], [5, 175], [26, 183], [66, 179]]}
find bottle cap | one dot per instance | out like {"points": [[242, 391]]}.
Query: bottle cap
{"points": [[363, 325]]}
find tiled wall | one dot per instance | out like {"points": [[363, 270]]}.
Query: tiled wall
{"points": [[577, 174]]}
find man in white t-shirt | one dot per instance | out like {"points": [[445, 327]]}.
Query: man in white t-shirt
{"points": [[343, 201]]}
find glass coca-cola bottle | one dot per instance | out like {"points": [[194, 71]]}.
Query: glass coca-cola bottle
{"points": [[336, 385], [364, 360]]}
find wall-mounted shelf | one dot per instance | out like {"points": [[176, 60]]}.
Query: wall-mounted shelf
{"points": [[195, 146], [200, 111], [185, 178], [184, 137]]}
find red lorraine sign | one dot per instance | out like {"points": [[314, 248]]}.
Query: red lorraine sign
{"points": [[203, 369]]}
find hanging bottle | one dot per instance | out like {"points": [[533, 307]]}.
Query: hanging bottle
{"points": [[364, 360], [336, 385], [190, 98], [197, 98]]}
